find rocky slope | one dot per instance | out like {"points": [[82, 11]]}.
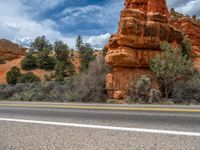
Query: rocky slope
{"points": [[4, 68], [143, 26], [10, 51]]}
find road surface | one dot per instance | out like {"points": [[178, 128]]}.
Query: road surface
{"points": [[46, 126]]}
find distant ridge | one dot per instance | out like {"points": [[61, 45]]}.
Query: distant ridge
{"points": [[10, 50]]}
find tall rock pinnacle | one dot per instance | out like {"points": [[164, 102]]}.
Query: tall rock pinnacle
{"points": [[142, 28]]}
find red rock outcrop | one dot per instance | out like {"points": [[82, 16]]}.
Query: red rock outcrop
{"points": [[10, 51], [190, 27], [142, 28]]}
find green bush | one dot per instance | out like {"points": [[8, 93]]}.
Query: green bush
{"points": [[142, 91], [186, 45], [59, 71], [2, 60], [28, 78], [13, 75], [29, 62], [45, 61], [169, 66], [71, 69]]}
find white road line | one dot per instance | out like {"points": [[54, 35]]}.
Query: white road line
{"points": [[181, 133]]}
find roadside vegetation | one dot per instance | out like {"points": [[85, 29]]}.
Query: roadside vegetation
{"points": [[178, 80], [143, 92], [64, 84]]}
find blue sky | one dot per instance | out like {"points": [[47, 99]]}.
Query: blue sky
{"points": [[95, 20]]}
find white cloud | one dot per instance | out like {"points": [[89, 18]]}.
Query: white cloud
{"points": [[25, 41], [17, 24], [38, 6], [187, 7], [76, 14], [98, 41], [190, 8]]}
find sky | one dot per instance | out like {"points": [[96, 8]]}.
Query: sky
{"points": [[95, 20]]}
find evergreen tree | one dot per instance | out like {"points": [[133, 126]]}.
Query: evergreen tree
{"points": [[41, 43], [62, 52], [87, 55], [79, 43], [29, 62], [59, 71], [45, 61]]}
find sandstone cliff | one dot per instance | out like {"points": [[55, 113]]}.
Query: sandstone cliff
{"points": [[190, 27], [143, 26]]}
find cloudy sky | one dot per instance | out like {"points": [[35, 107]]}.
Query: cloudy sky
{"points": [[23, 20]]}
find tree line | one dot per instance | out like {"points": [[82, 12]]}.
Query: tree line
{"points": [[56, 57]]}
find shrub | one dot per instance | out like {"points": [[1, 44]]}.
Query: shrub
{"points": [[29, 62], [13, 75], [186, 48], [142, 91], [154, 96], [28, 78], [38, 91], [2, 60], [170, 66], [71, 69], [90, 85], [45, 61], [59, 71], [187, 90]]}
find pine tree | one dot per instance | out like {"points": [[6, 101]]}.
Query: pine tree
{"points": [[79, 43], [41, 43]]}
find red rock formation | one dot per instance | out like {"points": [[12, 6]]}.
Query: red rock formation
{"points": [[10, 51], [191, 29], [143, 27]]}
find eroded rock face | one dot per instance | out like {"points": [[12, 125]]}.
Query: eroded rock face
{"points": [[10, 51], [190, 27], [143, 27]]}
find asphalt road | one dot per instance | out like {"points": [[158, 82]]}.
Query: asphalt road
{"points": [[57, 126]]}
